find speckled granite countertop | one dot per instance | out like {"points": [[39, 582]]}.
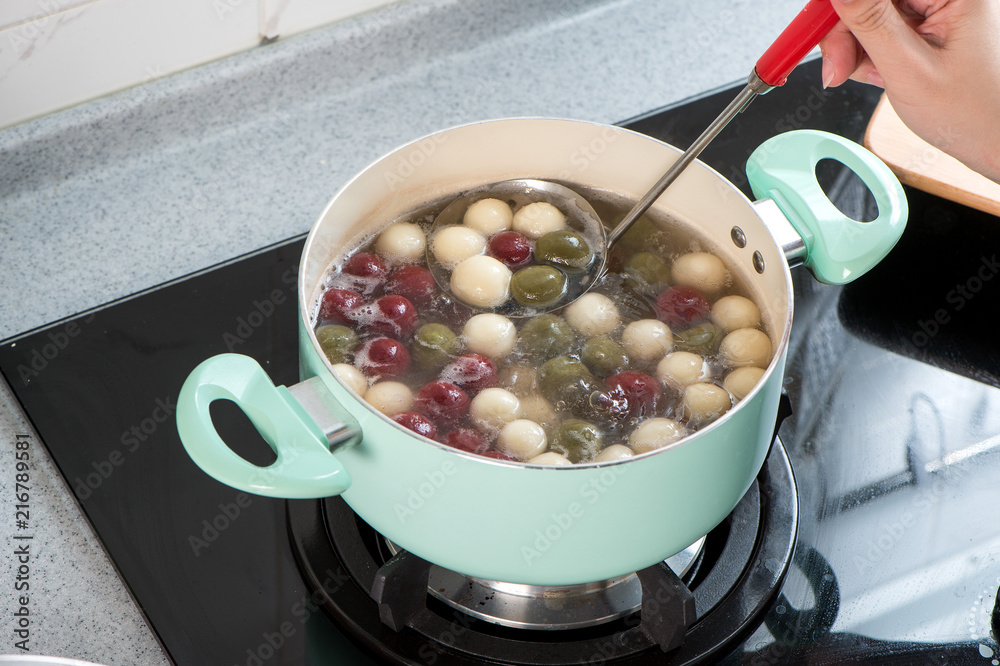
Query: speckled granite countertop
{"points": [[124, 193]]}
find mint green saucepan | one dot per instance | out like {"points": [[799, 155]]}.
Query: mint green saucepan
{"points": [[516, 522]]}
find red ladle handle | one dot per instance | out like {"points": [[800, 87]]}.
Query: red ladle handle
{"points": [[799, 38]]}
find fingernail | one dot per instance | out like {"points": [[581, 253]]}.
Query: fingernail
{"points": [[828, 72], [876, 79]]}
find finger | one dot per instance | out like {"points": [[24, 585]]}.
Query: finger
{"points": [[841, 55], [881, 31], [866, 72]]}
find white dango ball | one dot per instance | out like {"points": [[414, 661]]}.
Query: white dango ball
{"points": [[647, 339], [702, 270], [733, 312], [614, 452], [681, 368], [453, 245], [489, 216], [741, 381], [403, 242], [493, 408], [537, 219], [655, 433], [592, 314], [704, 402], [481, 282], [355, 380], [550, 458], [746, 346], [390, 398], [490, 334], [522, 439]]}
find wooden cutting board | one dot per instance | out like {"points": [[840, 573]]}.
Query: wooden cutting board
{"points": [[919, 164]]}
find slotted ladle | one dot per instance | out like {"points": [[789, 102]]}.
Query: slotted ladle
{"points": [[800, 37]]}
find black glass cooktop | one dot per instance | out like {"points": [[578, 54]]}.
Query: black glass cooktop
{"points": [[893, 440]]}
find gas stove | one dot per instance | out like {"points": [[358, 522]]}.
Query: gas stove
{"points": [[870, 535]]}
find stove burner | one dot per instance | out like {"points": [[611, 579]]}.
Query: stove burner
{"points": [[552, 607], [736, 580]]}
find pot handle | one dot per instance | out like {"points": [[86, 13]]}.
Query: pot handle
{"points": [[305, 467], [838, 249]]}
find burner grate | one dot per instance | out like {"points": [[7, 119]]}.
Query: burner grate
{"points": [[549, 608], [730, 594]]}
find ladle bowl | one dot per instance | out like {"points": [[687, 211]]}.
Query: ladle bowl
{"points": [[517, 193]]}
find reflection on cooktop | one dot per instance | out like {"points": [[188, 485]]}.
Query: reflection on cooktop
{"points": [[933, 297]]}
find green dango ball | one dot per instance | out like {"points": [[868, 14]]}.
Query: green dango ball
{"points": [[538, 286], [565, 380], [434, 345], [603, 356], [642, 235], [578, 440], [546, 336], [703, 339], [564, 249], [647, 269], [338, 342]]}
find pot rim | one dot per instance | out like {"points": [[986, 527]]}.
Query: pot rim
{"points": [[305, 292]]}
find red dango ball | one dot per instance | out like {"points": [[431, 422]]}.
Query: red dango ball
{"points": [[473, 372], [336, 304], [632, 394], [510, 248], [366, 272], [681, 307], [444, 402], [418, 423], [389, 315], [413, 282], [382, 358], [467, 439]]}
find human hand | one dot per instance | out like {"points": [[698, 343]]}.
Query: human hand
{"points": [[939, 62]]}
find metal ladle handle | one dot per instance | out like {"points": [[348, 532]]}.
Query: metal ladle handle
{"points": [[801, 36]]}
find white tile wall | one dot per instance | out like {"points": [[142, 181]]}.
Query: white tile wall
{"points": [[58, 53], [13, 12]]}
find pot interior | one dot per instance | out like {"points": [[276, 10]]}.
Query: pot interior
{"points": [[589, 156]]}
